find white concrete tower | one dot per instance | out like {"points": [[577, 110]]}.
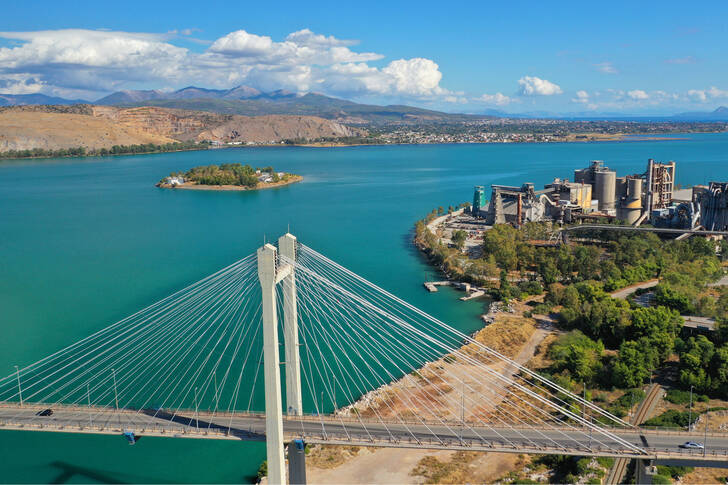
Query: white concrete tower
{"points": [[267, 274], [287, 247]]}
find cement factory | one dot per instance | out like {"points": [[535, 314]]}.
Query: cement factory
{"points": [[597, 193]]}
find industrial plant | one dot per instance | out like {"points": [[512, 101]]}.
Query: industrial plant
{"points": [[598, 193]]}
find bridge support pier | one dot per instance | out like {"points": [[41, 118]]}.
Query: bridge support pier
{"points": [[644, 471], [297, 462], [267, 259], [287, 247]]}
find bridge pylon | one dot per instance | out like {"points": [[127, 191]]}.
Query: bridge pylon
{"points": [[287, 248], [271, 272]]}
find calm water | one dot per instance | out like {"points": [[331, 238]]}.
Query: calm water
{"points": [[84, 242]]}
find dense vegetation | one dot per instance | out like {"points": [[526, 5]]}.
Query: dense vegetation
{"points": [[227, 174], [611, 343], [114, 150]]}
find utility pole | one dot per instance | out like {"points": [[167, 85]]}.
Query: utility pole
{"points": [[583, 407], [462, 413], [690, 413], [197, 420], [705, 438], [116, 395], [88, 400], [216, 398], [20, 389]]}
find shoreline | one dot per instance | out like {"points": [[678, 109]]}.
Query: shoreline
{"points": [[233, 188], [631, 137]]}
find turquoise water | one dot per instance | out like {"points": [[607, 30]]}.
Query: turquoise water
{"points": [[84, 242]]}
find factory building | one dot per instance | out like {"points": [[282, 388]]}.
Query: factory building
{"points": [[713, 201], [659, 183], [597, 192], [479, 201], [517, 205]]}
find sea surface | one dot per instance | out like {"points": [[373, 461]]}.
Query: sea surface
{"points": [[85, 242]]}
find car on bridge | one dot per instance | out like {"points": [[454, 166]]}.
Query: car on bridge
{"points": [[692, 445], [45, 412]]}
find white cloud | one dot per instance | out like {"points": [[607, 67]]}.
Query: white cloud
{"points": [[20, 84], [717, 93], [100, 61], [637, 94], [710, 94], [606, 67], [534, 86], [301, 47], [498, 99], [581, 97], [416, 76], [697, 95]]}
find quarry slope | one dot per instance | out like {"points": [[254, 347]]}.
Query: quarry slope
{"points": [[56, 127]]}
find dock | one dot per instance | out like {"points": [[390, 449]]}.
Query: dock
{"points": [[432, 285]]}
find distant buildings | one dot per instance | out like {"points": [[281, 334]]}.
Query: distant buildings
{"points": [[175, 180], [597, 192]]}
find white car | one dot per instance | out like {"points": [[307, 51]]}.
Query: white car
{"points": [[692, 445]]}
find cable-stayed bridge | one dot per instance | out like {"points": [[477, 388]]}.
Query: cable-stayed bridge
{"points": [[286, 344]]}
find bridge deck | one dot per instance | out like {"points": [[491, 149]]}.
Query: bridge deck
{"points": [[562, 440]]}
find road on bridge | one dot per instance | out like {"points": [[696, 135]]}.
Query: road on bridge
{"points": [[334, 430]]}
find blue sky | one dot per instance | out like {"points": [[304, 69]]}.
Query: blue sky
{"points": [[565, 57]]}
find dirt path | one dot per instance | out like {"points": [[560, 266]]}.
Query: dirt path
{"points": [[625, 292]]}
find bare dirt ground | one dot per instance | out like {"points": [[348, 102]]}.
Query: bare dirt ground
{"points": [[52, 131], [517, 337]]}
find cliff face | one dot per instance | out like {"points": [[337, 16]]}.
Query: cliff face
{"points": [[55, 127], [274, 128], [25, 130]]}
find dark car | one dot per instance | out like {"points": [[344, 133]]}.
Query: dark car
{"points": [[45, 412]]}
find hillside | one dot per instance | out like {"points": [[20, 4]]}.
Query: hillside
{"points": [[57, 127], [247, 101]]}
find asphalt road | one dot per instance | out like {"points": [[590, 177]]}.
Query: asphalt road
{"points": [[329, 429]]}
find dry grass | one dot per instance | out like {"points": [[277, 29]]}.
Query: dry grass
{"points": [[705, 476], [507, 335], [468, 467], [330, 456]]}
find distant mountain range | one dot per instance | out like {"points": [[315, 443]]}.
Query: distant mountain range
{"points": [[244, 100], [248, 101], [719, 114], [23, 99]]}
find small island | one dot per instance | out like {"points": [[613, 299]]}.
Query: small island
{"points": [[228, 176]]}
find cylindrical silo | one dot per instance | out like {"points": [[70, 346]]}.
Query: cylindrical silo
{"points": [[632, 204], [606, 186]]}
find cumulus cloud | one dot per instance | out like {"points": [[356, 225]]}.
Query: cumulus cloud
{"points": [[102, 61], [637, 94], [581, 97], [534, 86], [710, 94], [698, 95], [498, 99], [606, 68]]}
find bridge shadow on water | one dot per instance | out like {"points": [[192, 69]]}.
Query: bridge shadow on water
{"points": [[69, 471], [192, 422]]}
